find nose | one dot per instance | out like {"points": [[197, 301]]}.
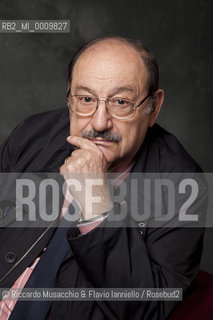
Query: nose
{"points": [[101, 119]]}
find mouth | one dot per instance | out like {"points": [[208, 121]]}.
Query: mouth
{"points": [[100, 140]]}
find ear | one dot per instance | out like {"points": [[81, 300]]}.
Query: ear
{"points": [[157, 103]]}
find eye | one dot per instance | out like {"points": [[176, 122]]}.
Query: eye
{"points": [[86, 99], [120, 102]]}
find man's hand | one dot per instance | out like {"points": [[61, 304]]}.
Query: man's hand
{"points": [[88, 166]]}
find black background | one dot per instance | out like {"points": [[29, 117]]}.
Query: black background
{"points": [[33, 67]]}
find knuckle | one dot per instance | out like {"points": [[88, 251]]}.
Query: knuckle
{"points": [[89, 156]]}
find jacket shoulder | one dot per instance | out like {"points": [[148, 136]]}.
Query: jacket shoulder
{"points": [[162, 152], [38, 133]]}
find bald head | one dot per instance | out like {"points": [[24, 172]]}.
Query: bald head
{"points": [[117, 50], [110, 64]]}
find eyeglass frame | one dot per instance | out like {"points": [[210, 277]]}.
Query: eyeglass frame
{"points": [[107, 100]]}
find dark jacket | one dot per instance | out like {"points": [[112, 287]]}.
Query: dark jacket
{"points": [[125, 257]]}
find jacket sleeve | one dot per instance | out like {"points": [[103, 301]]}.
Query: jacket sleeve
{"points": [[9, 150], [4, 157], [124, 257]]}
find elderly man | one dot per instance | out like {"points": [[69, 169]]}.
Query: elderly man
{"points": [[114, 100]]}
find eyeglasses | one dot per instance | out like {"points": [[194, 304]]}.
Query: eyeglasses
{"points": [[118, 108]]}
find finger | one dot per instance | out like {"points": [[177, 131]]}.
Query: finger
{"points": [[82, 143], [78, 153]]}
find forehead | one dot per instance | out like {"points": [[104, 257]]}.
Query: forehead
{"points": [[110, 64]]}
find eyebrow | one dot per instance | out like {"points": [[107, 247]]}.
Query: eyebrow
{"points": [[113, 92]]}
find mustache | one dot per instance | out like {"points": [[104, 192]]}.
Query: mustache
{"points": [[105, 135]]}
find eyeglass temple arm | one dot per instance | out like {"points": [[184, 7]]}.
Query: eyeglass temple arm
{"points": [[142, 101]]}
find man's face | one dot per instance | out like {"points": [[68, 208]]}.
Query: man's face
{"points": [[112, 70]]}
